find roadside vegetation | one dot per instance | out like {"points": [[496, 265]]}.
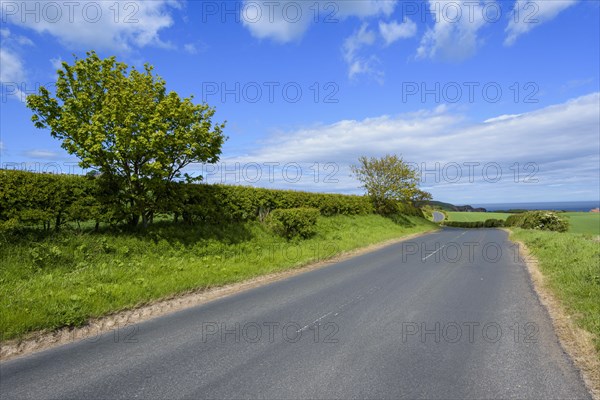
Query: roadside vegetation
{"points": [[579, 222], [52, 280], [474, 216], [570, 264]]}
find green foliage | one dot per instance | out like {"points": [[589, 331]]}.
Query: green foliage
{"points": [[488, 223], [474, 215], [126, 124], [29, 199], [389, 180], [514, 220], [541, 220], [493, 223], [294, 222]]}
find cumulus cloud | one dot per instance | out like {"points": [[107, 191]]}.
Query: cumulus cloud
{"points": [[454, 36], [13, 71], [553, 145], [393, 31], [91, 24], [287, 21], [530, 14], [358, 63]]}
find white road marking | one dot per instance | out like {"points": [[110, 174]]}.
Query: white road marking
{"points": [[425, 258]]}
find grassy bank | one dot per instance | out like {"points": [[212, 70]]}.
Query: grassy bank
{"points": [[65, 279], [570, 264]]}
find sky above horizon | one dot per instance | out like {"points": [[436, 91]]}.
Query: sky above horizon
{"points": [[493, 101]]}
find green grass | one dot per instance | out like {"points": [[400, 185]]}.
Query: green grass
{"points": [[63, 279], [579, 222], [583, 222], [571, 264], [474, 216]]}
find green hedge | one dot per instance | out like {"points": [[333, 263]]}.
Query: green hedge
{"points": [[213, 203], [488, 223], [47, 200], [31, 199], [541, 220], [294, 222]]}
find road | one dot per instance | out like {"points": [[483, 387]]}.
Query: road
{"points": [[438, 216], [427, 318]]}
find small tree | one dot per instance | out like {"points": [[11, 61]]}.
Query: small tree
{"points": [[126, 124], [389, 180]]}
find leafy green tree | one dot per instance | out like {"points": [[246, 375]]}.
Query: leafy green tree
{"points": [[124, 123], [389, 180]]}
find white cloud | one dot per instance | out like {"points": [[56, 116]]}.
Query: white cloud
{"points": [[393, 31], [543, 137], [529, 14], [454, 36], [287, 21], [98, 25], [41, 154], [357, 63], [12, 71], [502, 118], [190, 48], [56, 63]]}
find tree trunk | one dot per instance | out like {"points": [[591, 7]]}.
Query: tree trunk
{"points": [[57, 223]]}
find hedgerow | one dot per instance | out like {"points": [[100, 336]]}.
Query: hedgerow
{"points": [[47, 200], [488, 223]]}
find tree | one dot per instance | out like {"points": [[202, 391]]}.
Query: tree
{"points": [[389, 180], [124, 123]]}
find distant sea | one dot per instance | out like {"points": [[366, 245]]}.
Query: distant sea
{"points": [[551, 205]]}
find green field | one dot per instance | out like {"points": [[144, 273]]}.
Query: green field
{"points": [[579, 222], [474, 216], [570, 264], [48, 281], [583, 222]]}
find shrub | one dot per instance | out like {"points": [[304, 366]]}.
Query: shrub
{"points": [[543, 220], [294, 222], [513, 220], [493, 223]]}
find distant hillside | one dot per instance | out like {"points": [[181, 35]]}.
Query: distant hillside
{"points": [[452, 207]]}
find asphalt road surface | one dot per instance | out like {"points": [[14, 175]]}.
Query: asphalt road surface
{"points": [[438, 216], [451, 314]]}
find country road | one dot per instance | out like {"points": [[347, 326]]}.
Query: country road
{"points": [[451, 314], [438, 216]]}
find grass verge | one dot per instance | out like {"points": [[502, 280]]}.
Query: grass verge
{"points": [[65, 279], [565, 269]]}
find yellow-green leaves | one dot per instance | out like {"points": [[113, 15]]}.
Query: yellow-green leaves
{"points": [[125, 123]]}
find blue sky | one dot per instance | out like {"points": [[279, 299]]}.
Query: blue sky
{"points": [[496, 101]]}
